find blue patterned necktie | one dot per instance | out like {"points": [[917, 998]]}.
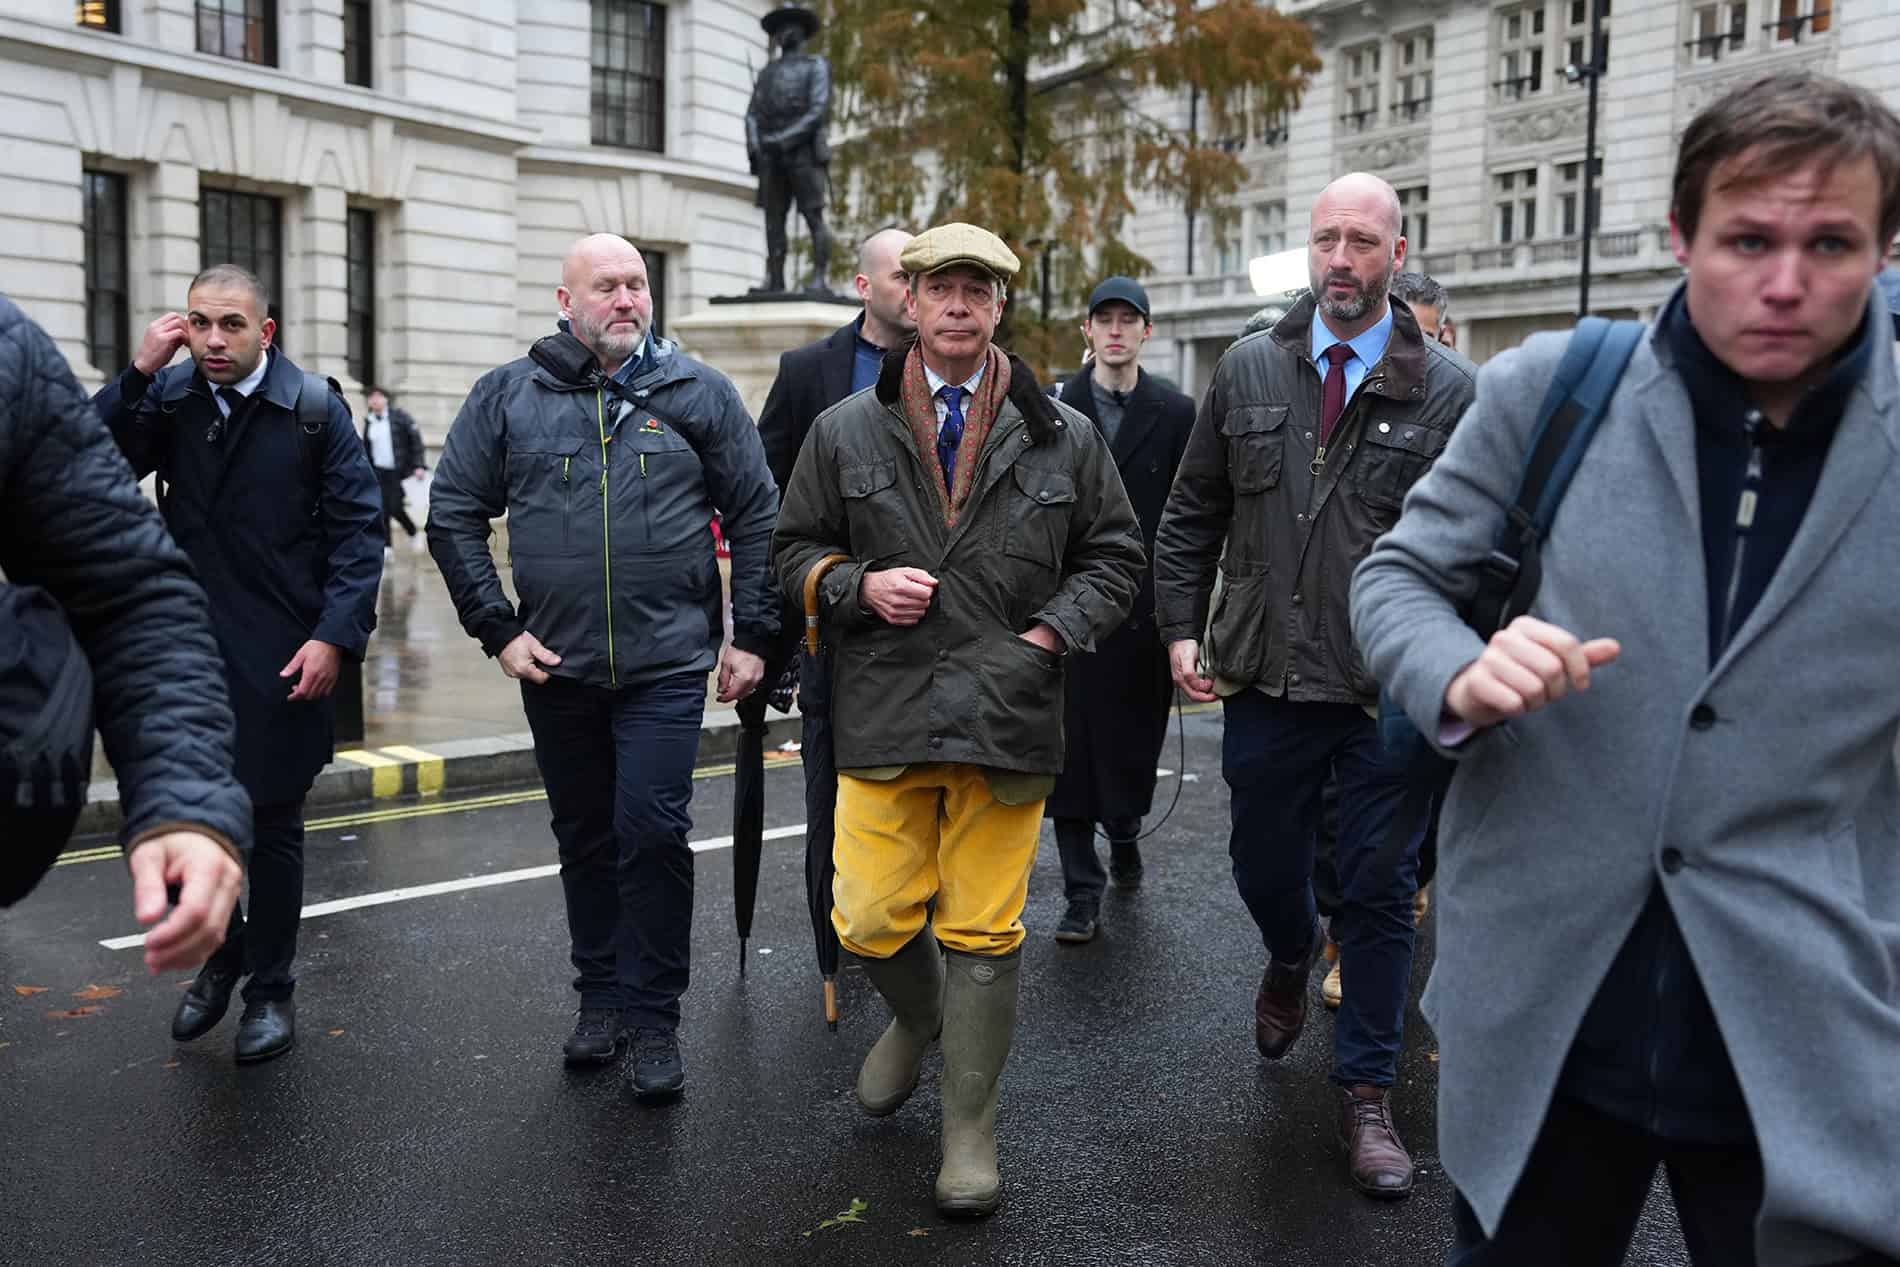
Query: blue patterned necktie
{"points": [[950, 434]]}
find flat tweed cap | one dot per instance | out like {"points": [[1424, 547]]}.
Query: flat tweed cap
{"points": [[936, 249]]}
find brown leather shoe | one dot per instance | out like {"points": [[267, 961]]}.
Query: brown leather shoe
{"points": [[1376, 1158], [1279, 1007]]}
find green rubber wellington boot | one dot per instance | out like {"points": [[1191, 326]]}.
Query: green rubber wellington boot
{"points": [[911, 981], [979, 1020]]}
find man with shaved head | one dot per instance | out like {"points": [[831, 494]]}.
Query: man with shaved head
{"points": [[609, 450], [1306, 442]]}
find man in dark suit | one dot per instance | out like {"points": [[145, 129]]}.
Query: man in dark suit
{"points": [[811, 380], [1115, 715], [817, 376], [285, 532]]}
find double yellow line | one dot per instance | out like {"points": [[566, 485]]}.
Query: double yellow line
{"points": [[394, 813]]}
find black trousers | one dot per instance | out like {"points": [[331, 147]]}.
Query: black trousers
{"points": [[1082, 872], [618, 765], [265, 944], [391, 484], [1578, 1200]]}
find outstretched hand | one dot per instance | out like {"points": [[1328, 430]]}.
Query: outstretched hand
{"points": [[207, 880]]}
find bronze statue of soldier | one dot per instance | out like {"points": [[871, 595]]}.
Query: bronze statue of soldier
{"points": [[786, 144]]}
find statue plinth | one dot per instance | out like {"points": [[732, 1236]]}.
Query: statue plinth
{"points": [[744, 336]]}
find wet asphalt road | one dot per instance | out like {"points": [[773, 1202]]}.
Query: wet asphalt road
{"points": [[426, 1118]]}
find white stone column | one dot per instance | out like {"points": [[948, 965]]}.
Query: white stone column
{"points": [[169, 251], [321, 274]]}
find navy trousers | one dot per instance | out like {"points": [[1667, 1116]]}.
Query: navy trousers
{"points": [[1276, 757], [265, 945], [618, 765]]}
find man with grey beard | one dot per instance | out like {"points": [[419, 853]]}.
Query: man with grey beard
{"points": [[608, 449], [1306, 442]]}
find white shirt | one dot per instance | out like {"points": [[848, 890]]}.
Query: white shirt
{"points": [[244, 387], [938, 382], [382, 447]]}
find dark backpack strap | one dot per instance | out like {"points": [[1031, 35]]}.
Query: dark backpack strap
{"points": [[313, 419], [1576, 401], [639, 400]]}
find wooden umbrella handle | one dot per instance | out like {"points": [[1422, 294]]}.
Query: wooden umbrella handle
{"points": [[812, 578]]}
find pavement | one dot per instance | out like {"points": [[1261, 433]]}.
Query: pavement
{"points": [[426, 1118], [438, 715]]}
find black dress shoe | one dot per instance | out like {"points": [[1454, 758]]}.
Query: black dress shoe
{"points": [[204, 1004], [597, 1037], [1124, 864], [655, 1070], [266, 1031], [1078, 922]]}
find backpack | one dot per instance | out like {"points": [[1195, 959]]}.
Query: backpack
{"points": [[313, 415], [1508, 580], [45, 736]]}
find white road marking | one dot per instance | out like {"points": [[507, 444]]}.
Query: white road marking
{"points": [[414, 891]]}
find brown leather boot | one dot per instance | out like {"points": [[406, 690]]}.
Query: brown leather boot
{"points": [[1279, 1007], [1376, 1158]]}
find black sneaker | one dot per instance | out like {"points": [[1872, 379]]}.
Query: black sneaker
{"points": [[1124, 864], [655, 1070], [1078, 922], [596, 1038]]}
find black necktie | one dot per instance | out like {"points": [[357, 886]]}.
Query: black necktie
{"points": [[232, 397]]}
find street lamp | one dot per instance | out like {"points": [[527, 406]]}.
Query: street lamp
{"points": [[1591, 71]]}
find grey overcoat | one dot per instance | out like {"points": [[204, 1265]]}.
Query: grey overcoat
{"points": [[1786, 809]]}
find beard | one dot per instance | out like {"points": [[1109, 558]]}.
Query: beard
{"points": [[1365, 298], [609, 347]]}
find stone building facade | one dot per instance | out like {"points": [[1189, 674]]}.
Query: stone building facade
{"points": [[1465, 107], [407, 173]]}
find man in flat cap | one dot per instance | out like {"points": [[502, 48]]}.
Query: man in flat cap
{"points": [[786, 145], [1117, 711], [971, 531]]}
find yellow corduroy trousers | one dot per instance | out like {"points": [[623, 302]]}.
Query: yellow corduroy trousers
{"points": [[934, 829]]}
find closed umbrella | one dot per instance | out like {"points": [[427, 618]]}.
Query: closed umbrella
{"points": [[748, 813], [821, 784]]}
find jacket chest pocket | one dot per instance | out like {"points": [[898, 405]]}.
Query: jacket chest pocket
{"points": [[871, 507], [1039, 513], [1392, 456], [543, 475], [1256, 446]]}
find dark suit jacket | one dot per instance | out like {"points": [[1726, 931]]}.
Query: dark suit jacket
{"points": [[275, 575], [810, 380]]}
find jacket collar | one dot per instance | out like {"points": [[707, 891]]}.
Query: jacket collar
{"points": [[1031, 401], [282, 379], [1140, 412], [665, 366], [1400, 373]]}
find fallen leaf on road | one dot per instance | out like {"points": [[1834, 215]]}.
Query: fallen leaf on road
{"points": [[170, 1064], [854, 1215], [918, 1231], [187, 981], [29, 989], [1432, 1056], [98, 992], [75, 1011], [336, 1033], [4, 1046]]}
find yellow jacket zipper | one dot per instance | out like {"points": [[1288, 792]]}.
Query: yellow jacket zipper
{"points": [[606, 541]]}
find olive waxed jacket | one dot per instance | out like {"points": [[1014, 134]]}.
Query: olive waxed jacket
{"points": [[1047, 536], [1284, 538]]}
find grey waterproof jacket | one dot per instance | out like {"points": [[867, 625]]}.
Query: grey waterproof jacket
{"points": [[609, 510], [1285, 529]]}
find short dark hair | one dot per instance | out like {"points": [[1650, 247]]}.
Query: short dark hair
{"points": [[386, 393], [1781, 122], [234, 275], [1419, 288]]}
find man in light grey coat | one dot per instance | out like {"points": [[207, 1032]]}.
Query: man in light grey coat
{"points": [[1670, 903]]}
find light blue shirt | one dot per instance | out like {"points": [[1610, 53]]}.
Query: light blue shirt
{"points": [[1366, 349], [938, 382]]}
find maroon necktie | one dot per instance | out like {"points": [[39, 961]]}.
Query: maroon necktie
{"points": [[1332, 397]]}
